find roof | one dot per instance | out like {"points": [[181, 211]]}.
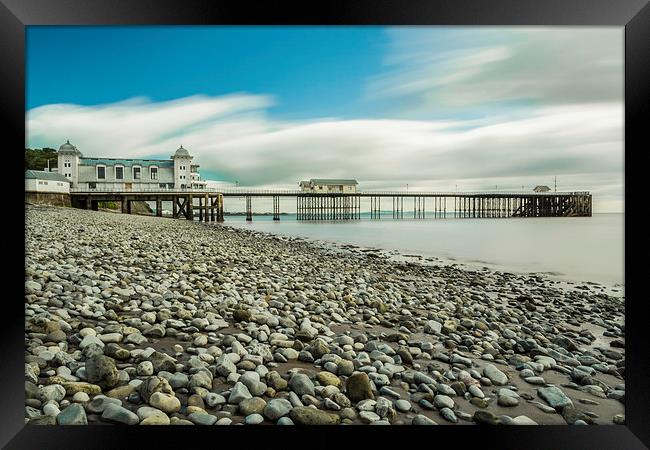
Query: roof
{"points": [[69, 148], [126, 162], [542, 188], [42, 175], [325, 181], [304, 183], [180, 151]]}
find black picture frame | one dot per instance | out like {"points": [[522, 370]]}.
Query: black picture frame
{"points": [[15, 15]]}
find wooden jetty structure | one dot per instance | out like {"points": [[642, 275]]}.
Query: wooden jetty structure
{"points": [[347, 206], [208, 204], [340, 206]]}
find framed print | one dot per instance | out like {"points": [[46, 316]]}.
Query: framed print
{"points": [[368, 213]]}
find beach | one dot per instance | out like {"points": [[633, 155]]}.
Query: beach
{"points": [[144, 320]]}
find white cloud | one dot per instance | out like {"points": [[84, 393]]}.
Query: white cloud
{"points": [[559, 65], [234, 137]]}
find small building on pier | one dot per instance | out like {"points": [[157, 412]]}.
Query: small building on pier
{"points": [[125, 174], [541, 189], [42, 181], [329, 186]]}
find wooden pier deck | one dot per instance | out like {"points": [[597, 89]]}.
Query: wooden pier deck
{"points": [[339, 206]]}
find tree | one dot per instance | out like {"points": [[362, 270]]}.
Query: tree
{"points": [[36, 159]]}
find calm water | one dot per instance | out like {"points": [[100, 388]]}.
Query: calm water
{"points": [[573, 248]]}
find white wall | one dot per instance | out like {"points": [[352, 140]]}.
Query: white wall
{"points": [[185, 162], [334, 188], [88, 173], [33, 185], [73, 171]]}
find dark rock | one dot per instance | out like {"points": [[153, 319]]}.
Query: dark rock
{"points": [[358, 387], [101, 370], [241, 315], [304, 415], [485, 418]]}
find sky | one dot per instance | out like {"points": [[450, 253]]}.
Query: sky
{"points": [[437, 108]]}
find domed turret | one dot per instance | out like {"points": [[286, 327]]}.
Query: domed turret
{"points": [[181, 152], [69, 148]]}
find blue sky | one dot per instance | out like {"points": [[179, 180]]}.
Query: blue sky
{"points": [[267, 106], [312, 72]]}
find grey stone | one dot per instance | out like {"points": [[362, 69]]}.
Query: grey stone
{"points": [[301, 384], [276, 408], [422, 420], [443, 401], [72, 415], [115, 413], [554, 397], [238, 393], [199, 418], [495, 375]]}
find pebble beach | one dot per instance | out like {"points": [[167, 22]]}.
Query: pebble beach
{"points": [[141, 320]]}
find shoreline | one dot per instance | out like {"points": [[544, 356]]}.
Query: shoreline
{"points": [[612, 288], [176, 322]]}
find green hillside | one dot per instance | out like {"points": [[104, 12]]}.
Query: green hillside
{"points": [[36, 159]]}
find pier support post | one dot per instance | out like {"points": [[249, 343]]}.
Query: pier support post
{"points": [[190, 207], [158, 207], [276, 208], [249, 210], [220, 208]]}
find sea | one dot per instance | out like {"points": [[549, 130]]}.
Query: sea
{"points": [[579, 249]]}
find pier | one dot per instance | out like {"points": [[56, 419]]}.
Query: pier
{"points": [[209, 203], [339, 206]]}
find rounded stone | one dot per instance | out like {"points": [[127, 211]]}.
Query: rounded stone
{"points": [[168, 403]]}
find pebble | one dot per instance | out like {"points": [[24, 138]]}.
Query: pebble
{"points": [[259, 301], [115, 413], [72, 415]]}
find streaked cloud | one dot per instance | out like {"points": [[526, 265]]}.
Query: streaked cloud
{"points": [[559, 65], [235, 138]]}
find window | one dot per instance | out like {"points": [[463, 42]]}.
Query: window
{"points": [[92, 185], [119, 173], [162, 185], [101, 172], [136, 173], [154, 173]]}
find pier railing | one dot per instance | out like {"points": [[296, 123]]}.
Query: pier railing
{"points": [[268, 192], [344, 206]]}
